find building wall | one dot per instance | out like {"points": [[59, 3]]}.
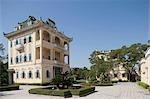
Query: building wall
{"points": [[39, 50], [145, 68], [118, 72]]}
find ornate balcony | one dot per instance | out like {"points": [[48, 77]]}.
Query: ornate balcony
{"points": [[20, 47]]}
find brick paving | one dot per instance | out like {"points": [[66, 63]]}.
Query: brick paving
{"points": [[124, 90]]}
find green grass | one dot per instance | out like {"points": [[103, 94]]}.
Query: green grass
{"points": [[144, 85]]}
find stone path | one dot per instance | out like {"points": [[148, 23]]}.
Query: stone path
{"points": [[126, 90]]}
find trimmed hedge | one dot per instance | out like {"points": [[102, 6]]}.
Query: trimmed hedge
{"points": [[114, 81], [9, 87], [45, 91], [83, 91], [104, 84], [65, 93], [144, 85]]}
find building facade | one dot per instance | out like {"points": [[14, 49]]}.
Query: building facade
{"points": [[37, 52], [118, 72], [145, 67]]}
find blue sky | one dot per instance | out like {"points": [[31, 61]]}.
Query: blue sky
{"points": [[93, 24]]}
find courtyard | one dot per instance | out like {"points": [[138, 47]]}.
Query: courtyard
{"points": [[121, 90]]}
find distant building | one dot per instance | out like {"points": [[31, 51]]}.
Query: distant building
{"points": [[118, 72], [37, 52], [104, 55], [145, 67]]}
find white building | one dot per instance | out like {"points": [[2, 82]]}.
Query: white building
{"points": [[145, 67]]}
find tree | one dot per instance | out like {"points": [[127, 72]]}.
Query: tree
{"points": [[99, 65], [3, 67], [62, 80], [130, 57], [80, 73]]}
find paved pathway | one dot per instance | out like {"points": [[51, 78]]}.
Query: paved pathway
{"points": [[124, 90]]}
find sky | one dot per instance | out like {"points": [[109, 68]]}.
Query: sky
{"points": [[93, 24]]}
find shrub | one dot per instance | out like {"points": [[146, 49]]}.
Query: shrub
{"points": [[64, 93], [114, 81], [104, 84], [144, 85], [9, 87], [83, 91], [46, 91]]}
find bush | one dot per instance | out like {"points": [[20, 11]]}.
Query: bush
{"points": [[144, 85], [9, 87], [46, 91], [83, 91]]}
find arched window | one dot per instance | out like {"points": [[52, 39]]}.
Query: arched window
{"points": [[30, 74], [37, 74], [25, 58], [30, 39], [47, 74], [17, 75], [23, 74]]}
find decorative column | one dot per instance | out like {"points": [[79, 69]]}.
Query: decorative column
{"points": [[41, 45]]}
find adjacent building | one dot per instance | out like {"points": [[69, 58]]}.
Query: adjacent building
{"points": [[145, 67], [118, 72], [37, 52]]}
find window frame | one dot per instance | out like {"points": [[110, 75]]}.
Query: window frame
{"points": [[47, 74], [17, 59], [30, 57], [30, 74], [30, 39], [17, 75], [17, 42], [37, 74], [24, 40], [25, 58], [23, 74]]}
